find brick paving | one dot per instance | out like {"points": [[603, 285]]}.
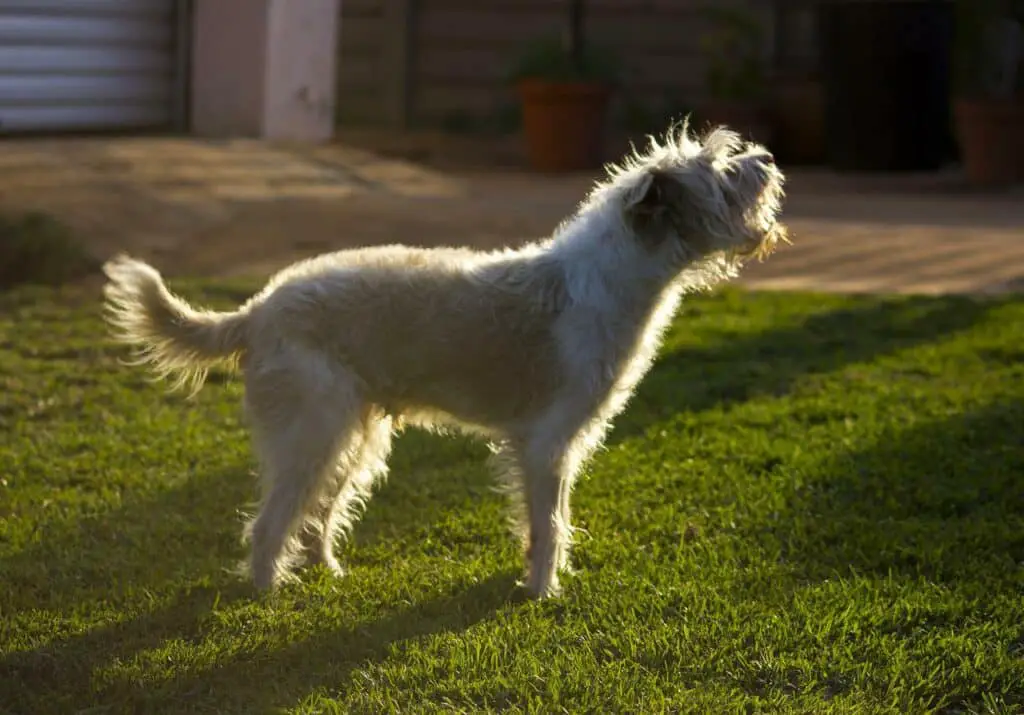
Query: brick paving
{"points": [[246, 207]]}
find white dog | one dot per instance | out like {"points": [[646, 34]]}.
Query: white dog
{"points": [[536, 349]]}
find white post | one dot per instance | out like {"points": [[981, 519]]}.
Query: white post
{"points": [[265, 68]]}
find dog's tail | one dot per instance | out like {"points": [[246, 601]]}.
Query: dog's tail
{"points": [[170, 336]]}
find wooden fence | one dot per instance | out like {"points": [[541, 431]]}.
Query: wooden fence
{"points": [[444, 62]]}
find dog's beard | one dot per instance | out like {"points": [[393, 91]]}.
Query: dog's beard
{"points": [[766, 245], [769, 232]]}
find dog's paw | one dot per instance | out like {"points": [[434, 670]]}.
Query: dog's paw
{"points": [[542, 586], [551, 591], [328, 562]]}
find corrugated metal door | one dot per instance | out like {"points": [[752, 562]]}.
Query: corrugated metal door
{"points": [[88, 64]]}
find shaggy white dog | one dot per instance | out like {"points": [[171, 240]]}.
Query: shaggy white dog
{"points": [[536, 349]]}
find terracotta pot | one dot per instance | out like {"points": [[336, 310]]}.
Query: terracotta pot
{"points": [[749, 118], [798, 115], [563, 123], [991, 136]]}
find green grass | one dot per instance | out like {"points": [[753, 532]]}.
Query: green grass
{"points": [[815, 504]]}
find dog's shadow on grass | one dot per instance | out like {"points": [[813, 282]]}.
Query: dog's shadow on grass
{"points": [[738, 369], [187, 532], [180, 545], [102, 564], [59, 675], [266, 680], [63, 675], [943, 501]]}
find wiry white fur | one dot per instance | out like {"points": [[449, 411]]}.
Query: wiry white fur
{"points": [[537, 348]]}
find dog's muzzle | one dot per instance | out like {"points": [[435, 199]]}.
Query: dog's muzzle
{"points": [[772, 238], [763, 245]]}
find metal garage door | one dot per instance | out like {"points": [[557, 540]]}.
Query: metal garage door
{"points": [[87, 64]]}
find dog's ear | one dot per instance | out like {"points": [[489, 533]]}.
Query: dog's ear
{"points": [[647, 201]]}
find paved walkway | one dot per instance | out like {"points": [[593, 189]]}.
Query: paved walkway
{"points": [[244, 207]]}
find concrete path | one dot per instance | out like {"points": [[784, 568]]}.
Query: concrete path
{"points": [[244, 207]]}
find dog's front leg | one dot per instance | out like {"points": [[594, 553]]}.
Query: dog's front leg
{"points": [[550, 529], [550, 464]]}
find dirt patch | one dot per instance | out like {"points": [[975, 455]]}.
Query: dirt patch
{"points": [[247, 208]]}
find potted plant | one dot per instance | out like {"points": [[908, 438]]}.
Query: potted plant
{"points": [[735, 75], [564, 86], [989, 108]]}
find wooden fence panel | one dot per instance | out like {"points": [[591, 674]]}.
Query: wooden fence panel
{"points": [[451, 66], [361, 35]]}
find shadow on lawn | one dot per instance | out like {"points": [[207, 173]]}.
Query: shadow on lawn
{"points": [[58, 676], [943, 501], [266, 680], [769, 363], [248, 682], [189, 534]]}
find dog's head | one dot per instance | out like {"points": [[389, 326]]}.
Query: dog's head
{"points": [[716, 196]]}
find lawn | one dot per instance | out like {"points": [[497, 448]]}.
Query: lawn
{"points": [[815, 504]]}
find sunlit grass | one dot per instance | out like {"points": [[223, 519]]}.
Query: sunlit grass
{"points": [[815, 504]]}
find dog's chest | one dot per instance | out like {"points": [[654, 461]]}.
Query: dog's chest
{"points": [[613, 352]]}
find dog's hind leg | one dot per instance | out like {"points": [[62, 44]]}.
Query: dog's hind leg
{"points": [[350, 489], [316, 526], [305, 417]]}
